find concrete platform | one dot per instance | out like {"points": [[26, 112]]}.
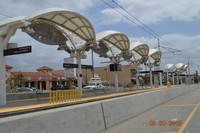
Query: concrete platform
{"points": [[92, 116]]}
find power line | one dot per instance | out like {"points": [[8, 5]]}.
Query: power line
{"points": [[128, 18], [5, 15], [153, 32], [145, 28]]}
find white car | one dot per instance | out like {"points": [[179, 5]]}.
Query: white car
{"points": [[94, 86], [23, 89]]}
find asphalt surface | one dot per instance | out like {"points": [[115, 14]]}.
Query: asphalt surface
{"points": [[180, 115]]}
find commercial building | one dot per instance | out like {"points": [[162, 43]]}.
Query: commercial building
{"points": [[44, 78]]}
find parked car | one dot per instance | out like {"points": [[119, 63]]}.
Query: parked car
{"points": [[83, 85], [62, 87], [23, 89], [94, 86]]}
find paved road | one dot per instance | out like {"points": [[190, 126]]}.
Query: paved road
{"points": [[181, 115]]}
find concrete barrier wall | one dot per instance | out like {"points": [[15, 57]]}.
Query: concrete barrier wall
{"points": [[85, 118], [91, 117]]}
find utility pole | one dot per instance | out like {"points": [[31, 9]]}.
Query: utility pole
{"points": [[158, 44], [189, 72], [160, 74]]}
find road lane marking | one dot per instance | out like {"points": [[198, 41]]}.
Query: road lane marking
{"points": [[188, 119]]}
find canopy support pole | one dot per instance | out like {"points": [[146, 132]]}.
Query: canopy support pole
{"points": [[116, 81], [79, 72]]}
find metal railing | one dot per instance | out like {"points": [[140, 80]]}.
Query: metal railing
{"points": [[61, 96]]}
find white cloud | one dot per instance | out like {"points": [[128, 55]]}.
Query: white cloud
{"points": [[25, 7], [189, 46], [111, 16], [155, 11]]}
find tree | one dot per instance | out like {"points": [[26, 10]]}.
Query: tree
{"points": [[15, 81]]}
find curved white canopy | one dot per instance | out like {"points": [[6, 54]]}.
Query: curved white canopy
{"points": [[11, 21], [71, 21], [5, 24], [112, 43], [139, 52], [170, 67], [180, 67], [185, 67], [154, 55], [55, 26], [116, 38]]}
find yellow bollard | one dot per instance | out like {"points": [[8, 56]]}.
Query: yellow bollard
{"points": [[168, 84], [60, 96], [79, 92], [57, 96], [50, 97], [133, 87], [64, 95], [68, 95], [73, 96]]}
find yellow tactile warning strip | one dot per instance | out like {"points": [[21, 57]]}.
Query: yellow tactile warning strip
{"points": [[82, 100]]}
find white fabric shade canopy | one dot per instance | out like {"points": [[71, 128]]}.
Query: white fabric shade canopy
{"points": [[181, 67], [154, 55], [170, 67], [139, 52], [112, 43], [72, 21], [55, 26]]}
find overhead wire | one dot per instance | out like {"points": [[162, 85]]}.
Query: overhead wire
{"points": [[146, 29], [127, 18], [153, 32], [5, 15]]}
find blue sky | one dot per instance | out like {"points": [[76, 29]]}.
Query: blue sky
{"points": [[178, 22]]}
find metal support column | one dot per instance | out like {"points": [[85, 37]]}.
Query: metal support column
{"points": [[116, 81], [79, 72], [160, 75], [136, 76], [173, 78], [2, 78], [150, 74]]}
